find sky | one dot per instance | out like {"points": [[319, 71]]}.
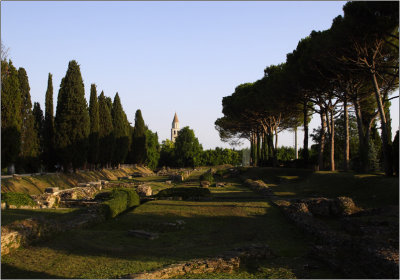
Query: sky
{"points": [[162, 57]]}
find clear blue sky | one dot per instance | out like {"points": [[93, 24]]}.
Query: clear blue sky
{"points": [[161, 57]]}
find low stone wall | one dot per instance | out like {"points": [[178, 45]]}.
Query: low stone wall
{"points": [[227, 262]]}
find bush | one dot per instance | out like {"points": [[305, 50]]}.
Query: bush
{"points": [[207, 177], [17, 199], [184, 192], [120, 200]]}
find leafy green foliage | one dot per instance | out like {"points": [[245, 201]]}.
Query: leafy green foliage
{"points": [[72, 122], [11, 121], [93, 153], [208, 176], [187, 148], [183, 192], [220, 156], [152, 149], [17, 199], [167, 153], [120, 200]]}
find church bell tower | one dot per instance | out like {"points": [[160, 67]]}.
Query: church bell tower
{"points": [[175, 128]]}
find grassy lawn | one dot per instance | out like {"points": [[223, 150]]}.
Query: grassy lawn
{"points": [[367, 190], [211, 227], [10, 215]]}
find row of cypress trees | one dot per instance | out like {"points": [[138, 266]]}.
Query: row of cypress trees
{"points": [[78, 136]]}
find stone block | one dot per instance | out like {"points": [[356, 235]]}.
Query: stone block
{"points": [[144, 190], [51, 190], [143, 234]]}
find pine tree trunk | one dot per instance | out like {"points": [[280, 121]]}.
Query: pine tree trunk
{"points": [[322, 144], [296, 151], [346, 135], [305, 142], [276, 140], [332, 140], [385, 141], [258, 148], [362, 144]]}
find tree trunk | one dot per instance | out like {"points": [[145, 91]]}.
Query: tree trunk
{"points": [[332, 140], [296, 152], [322, 144], [305, 142], [387, 158], [362, 146], [276, 139], [346, 135], [11, 169], [251, 149], [258, 148]]}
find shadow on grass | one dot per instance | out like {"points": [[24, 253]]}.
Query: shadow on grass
{"points": [[12, 272], [10, 215]]}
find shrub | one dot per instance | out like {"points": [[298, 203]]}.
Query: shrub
{"points": [[17, 199], [220, 173], [120, 200], [184, 192], [207, 177]]}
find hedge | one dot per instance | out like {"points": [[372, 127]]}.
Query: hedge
{"points": [[17, 199], [184, 192], [207, 177], [120, 200]]}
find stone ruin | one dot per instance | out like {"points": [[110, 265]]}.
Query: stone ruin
{"points": [[364, 236]]}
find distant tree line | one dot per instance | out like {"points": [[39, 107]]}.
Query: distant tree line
{"points": [[345, 75], [188, 152], [82, 136], [77, 135]]}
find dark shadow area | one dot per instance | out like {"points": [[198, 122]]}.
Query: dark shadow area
{"points": [[11, 272], [10, 215]]}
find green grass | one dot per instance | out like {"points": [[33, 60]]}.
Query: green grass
{"points": [[17, 199], [10, 215], [235, 217], [212, 227]]}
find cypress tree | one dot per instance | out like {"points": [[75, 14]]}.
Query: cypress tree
{"points": [[121, 131], [106, 138], [39, 124], [94, 126], [72, 119], [29, 138], [11, 121], [49, 156], [139, 139]]}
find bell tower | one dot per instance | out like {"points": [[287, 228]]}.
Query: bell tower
{"points": [[175, 128]]}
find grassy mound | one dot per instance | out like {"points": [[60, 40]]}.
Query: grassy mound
{"points": [[17, 199], [120, 200], [185, 193]]}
